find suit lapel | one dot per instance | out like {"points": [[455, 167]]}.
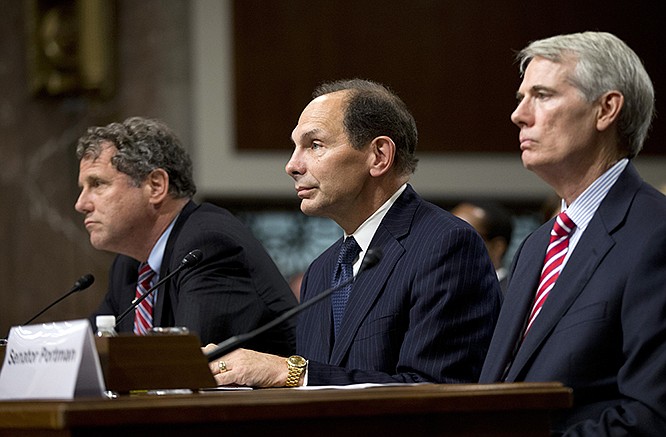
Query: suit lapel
{"points": [[162, 313], [519, 297], [369, 285], [588, 254]]}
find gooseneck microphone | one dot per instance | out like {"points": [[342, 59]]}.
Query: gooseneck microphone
{"points": [[83, 282], [371, 259], [190, 260]]}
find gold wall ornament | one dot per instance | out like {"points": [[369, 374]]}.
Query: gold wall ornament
{"points": [[71, 47]]}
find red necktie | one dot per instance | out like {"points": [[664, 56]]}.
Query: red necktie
{"points": [[143, 314], [557, 250]]}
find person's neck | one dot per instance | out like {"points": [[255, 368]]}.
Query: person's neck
{"points": [[165, 214], [367, 205], [571, 180]]}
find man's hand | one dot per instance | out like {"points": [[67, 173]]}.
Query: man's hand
{"points": [[249, 368]]}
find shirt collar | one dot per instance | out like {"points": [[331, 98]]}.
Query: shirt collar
{"points": [[157, 253], [583, 208], [363, 235]]}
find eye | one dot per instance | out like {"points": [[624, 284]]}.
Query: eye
{"points": [[315, 145], [95, 183]]}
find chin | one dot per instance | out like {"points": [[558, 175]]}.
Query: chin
{"points": [[306, 210], [97, 243], [310, 208], [527, 162]]}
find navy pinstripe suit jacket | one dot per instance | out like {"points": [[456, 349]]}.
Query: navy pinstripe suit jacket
{"points": [[425, 313]]}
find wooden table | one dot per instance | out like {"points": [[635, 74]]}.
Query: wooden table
{"points": [[433, 409]]}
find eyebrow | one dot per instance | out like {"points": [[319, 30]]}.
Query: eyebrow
{"points": [[535, 89], [312, 133]]}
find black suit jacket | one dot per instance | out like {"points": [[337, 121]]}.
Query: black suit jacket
{"points": [[425, 313], [235, 288], [602, 330]]}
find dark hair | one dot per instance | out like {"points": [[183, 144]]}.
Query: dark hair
{"points": [[498, 221], [143, 146], [373, 110]]}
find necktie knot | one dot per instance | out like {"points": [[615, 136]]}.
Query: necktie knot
{"points": [[563, 226], [145, 274], [349, 251]]}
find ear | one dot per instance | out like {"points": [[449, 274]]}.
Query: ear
{"points": [[382, 151], [610, 105], [157, 184]]}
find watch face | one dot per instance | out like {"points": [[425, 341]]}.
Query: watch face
{"points": [[297, 361]]}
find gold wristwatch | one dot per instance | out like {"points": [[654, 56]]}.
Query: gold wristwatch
{"points": [[296, 365]]}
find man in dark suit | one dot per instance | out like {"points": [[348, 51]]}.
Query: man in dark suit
{"points": [[136, 195], [426, 312], [585, 107]]}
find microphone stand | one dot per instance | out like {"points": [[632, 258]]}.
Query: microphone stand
{"points": [[190, 260], [140, 299], [372, 257], [84, 282], [73, 290]]}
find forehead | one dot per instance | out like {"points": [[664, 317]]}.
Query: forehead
{"points": [[542, 71], [96, 166], [323, 115]]}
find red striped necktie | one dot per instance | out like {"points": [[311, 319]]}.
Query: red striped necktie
{"points": [[143, 314], [557, 250]]}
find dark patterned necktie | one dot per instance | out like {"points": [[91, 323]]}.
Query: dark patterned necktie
{"points": [[143, 314], [344, 272]]}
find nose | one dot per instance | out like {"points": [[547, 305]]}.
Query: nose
{"points": [[521, 116], [82, 204], [295, 164]]}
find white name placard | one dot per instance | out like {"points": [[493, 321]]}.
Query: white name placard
{"points": [[51, 361]]}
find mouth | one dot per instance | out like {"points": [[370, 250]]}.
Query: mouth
{"points": [[525, 143], [304, 192]]}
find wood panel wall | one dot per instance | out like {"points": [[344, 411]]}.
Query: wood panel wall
{"points": [[451, 61]]}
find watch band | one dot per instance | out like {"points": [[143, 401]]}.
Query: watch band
{"points": [[296, 366]]}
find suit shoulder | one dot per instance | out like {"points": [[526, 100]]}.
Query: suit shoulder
{"points": [[208, 217]]}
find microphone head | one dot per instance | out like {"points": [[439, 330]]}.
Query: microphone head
{"points": [[192, 258], [84, 282], [371, 258]]}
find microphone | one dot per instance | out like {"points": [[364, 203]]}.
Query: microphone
{"points": [[190, 260], [371, 259], [83, 282]]}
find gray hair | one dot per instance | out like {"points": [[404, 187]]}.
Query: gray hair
{"points": [[604, 63], [373, 110], [143, 146]]}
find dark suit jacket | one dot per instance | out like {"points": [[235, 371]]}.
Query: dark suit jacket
{"points": [[235, 288], [425, 313], [602, 330]]}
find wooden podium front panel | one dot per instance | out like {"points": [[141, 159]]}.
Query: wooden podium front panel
{"points": [[132, 362], [431, 409]]}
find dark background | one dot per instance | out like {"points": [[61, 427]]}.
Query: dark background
{"points": [[452, 62]]}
